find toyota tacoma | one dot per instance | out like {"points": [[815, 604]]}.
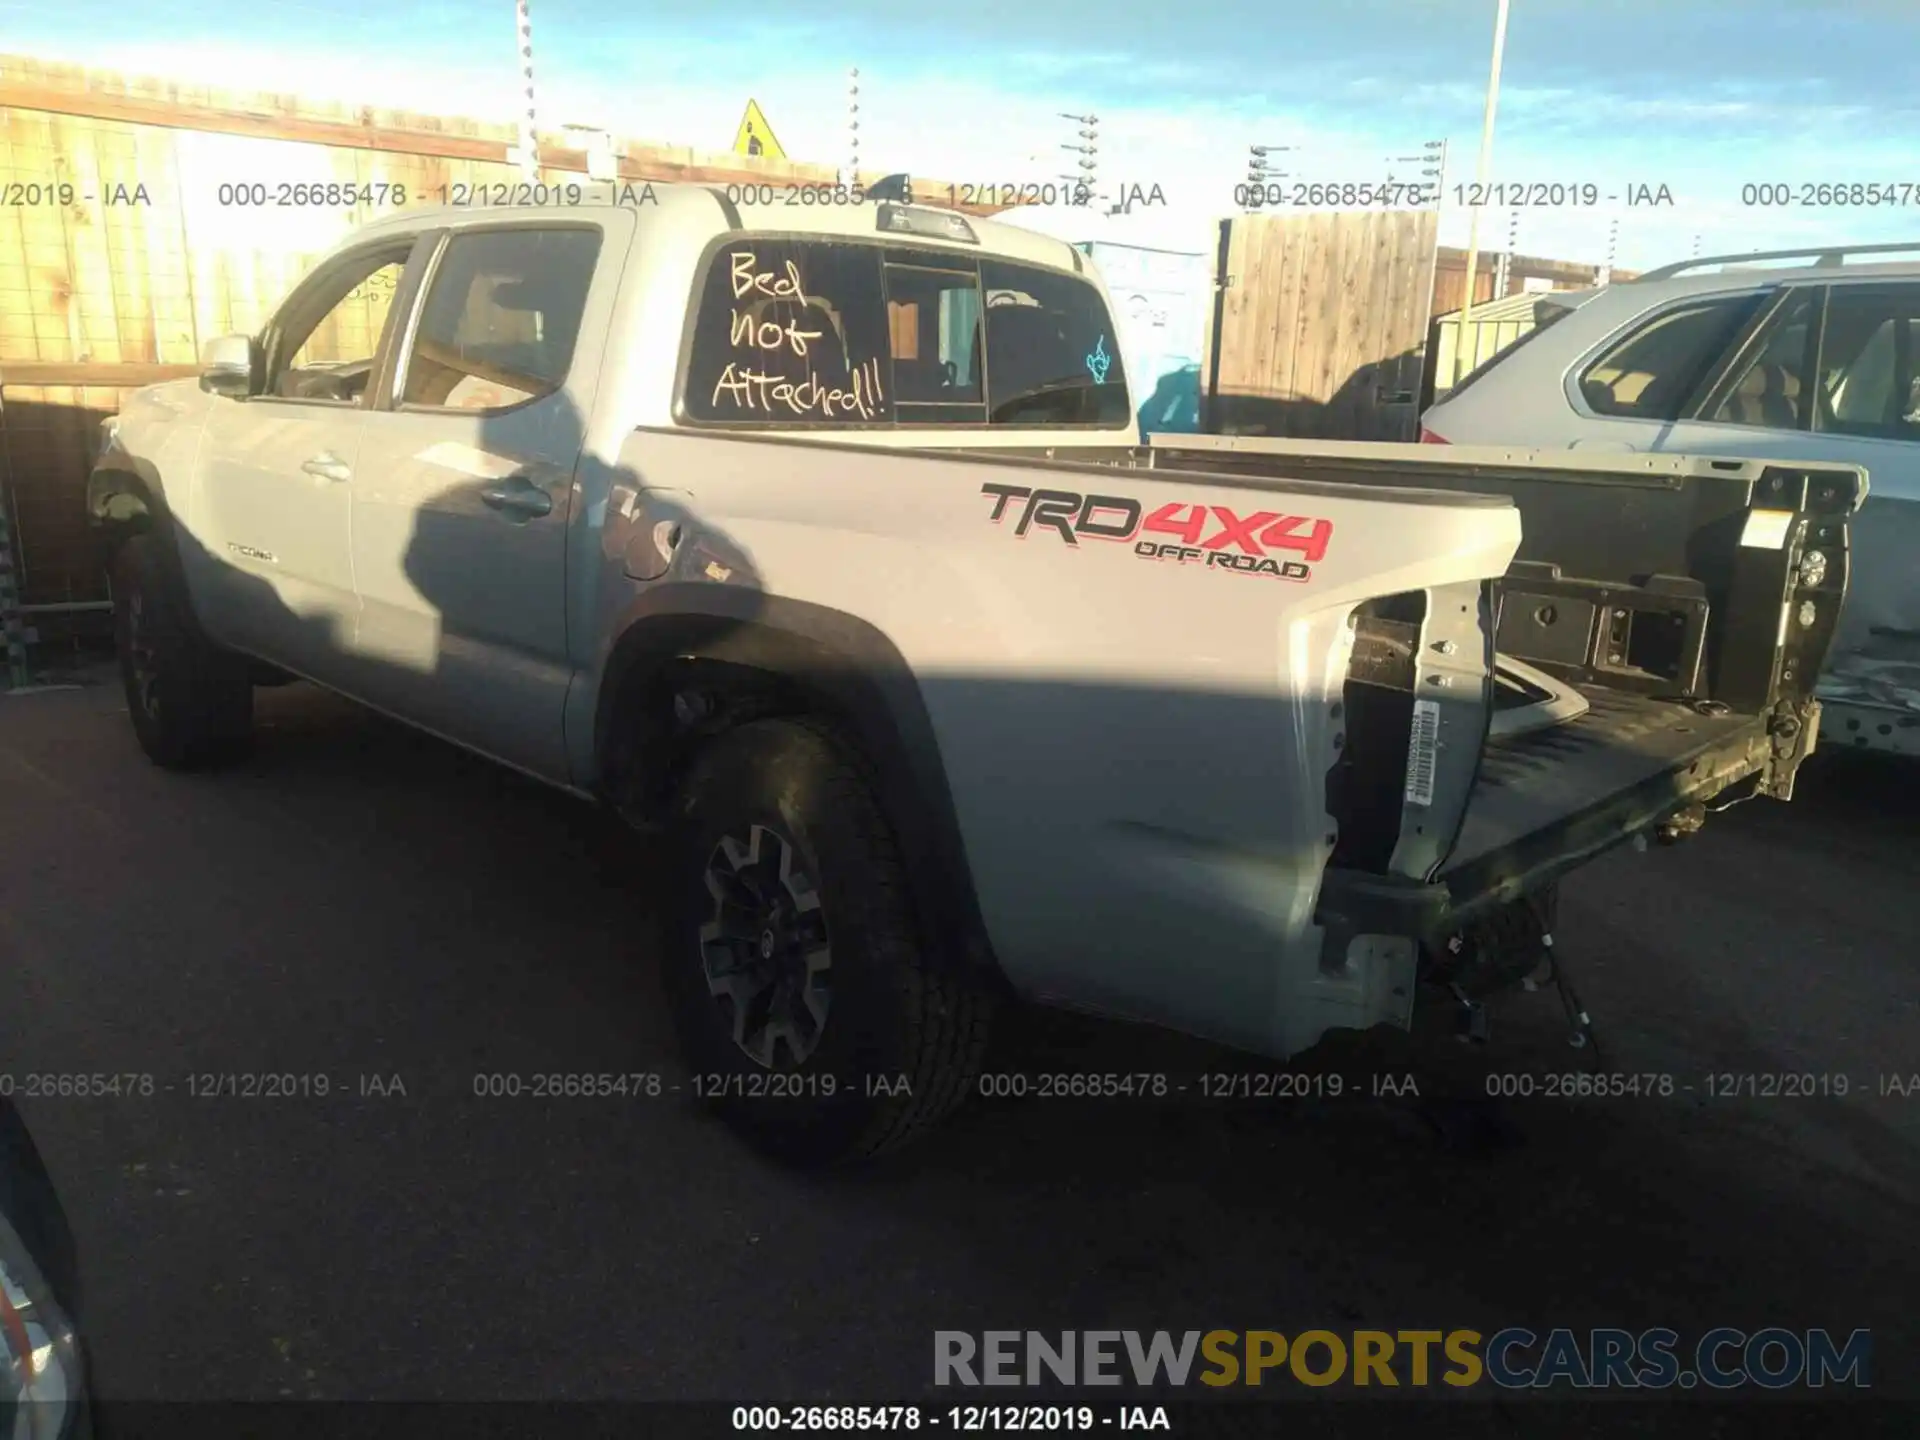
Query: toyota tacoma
{"points": [[820, 543]]}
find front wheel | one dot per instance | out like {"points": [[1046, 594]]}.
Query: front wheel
{"points": [[814, 1017], [191, 702]]}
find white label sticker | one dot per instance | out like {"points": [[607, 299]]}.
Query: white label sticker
{"points": [[1766, 529], [1422, 746]]}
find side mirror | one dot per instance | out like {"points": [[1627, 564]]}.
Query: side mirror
{"points": [[227, 366]]}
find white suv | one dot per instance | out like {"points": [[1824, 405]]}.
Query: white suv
{"points": [[1736, 356]]}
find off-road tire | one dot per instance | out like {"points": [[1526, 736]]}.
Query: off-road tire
{"points": [[907, 1021], [191, 702]]}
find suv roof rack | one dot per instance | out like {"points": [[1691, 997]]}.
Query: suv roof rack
{"points": [[1823, 257]]}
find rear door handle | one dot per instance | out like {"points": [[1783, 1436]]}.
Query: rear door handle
{"points": [[328, 466], [519, 496]]}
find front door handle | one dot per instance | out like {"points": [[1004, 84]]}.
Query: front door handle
{"points": [[518, 495], [328, 466]]}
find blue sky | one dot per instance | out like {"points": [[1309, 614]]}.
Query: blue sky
{"points": [[1699, 95]]}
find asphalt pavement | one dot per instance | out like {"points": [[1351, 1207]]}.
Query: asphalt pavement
{"points": [[367, 911]]}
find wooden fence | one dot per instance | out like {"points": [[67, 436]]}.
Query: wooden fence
{"points": [[1319, 323], [132, 232], [1450, 276]]}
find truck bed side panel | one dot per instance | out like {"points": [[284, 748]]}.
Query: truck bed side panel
{"points": [[1138, 748]]}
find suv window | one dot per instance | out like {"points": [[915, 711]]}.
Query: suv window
{"points": [[1652, 373], [1772, 389], [324, 340], [854, 333], [1545, 317], [1869, 375], [501, 319]]}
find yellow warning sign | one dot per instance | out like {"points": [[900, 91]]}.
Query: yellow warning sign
{"points": [[755, 136]]}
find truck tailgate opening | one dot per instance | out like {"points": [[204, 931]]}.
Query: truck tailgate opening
{"points": [[1550, 797], [1687, 604]]}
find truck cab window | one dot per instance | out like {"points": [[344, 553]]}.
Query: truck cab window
{"points": [[501, 318], [933, 325], [791, 332], [1052, 354], [850, 333]]}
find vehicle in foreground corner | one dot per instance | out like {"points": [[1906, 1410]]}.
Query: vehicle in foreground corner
{"points": [[44, 1379], [1759, 357], [822, 540]]}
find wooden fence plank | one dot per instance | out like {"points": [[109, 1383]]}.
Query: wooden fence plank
{"points": [[1327, 311]]}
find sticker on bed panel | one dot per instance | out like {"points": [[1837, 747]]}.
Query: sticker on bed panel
{"points": [[1212, 537]]}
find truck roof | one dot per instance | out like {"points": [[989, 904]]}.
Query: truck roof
{"points": [[690, 204]]}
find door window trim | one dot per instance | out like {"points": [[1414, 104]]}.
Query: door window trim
{"points": [[413, 284], [1639, 321], [443, 240], [274, 334]]}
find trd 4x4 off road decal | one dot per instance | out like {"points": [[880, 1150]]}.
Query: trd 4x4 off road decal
{"points": [[1209, 535]]}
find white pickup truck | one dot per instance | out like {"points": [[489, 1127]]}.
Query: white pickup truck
{"points": [[821, 540]]}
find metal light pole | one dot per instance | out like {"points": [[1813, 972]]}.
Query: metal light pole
{"points": [[528, 154], [1486, 158]]}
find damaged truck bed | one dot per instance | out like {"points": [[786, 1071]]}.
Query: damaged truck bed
{"points": [[1681, 609]]}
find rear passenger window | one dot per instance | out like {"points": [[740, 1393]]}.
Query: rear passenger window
{"points": [[1870, 363], [1772, 391], [501, 319], [1652, 373]]}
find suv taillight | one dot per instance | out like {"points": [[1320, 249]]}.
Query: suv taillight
{"points": [[1427, 437]]}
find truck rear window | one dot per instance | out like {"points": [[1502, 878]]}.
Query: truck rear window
{"points": [[851, 333]]}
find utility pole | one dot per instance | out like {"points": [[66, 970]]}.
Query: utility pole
{"points": [[1432, 161], [1485, 162], [1435, 169], [1088, 149], [527, 155], [853, 128], [1261, 173], [1503, 270], [1605, 277]]}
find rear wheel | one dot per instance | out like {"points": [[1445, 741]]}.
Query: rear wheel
{"points": [[191, 702], [815, 1019]]}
